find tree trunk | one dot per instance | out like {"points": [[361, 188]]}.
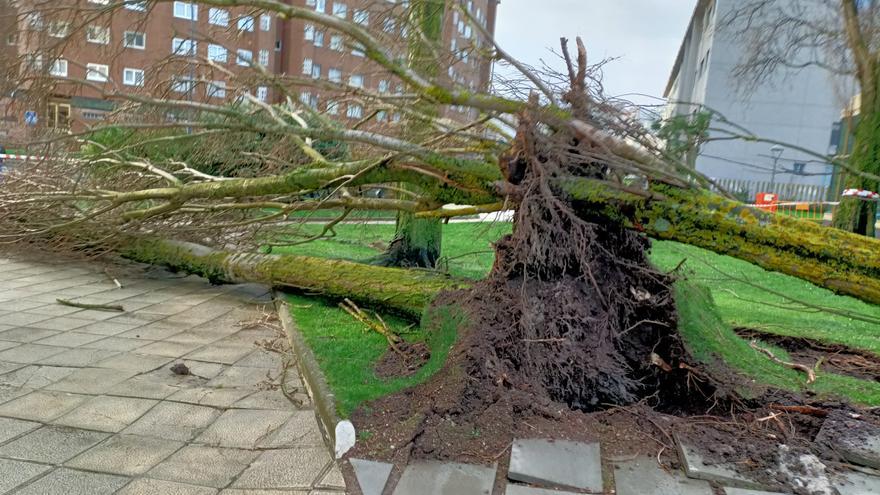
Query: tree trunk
{"points": [[416, 242], [404, 291], [853, 214]]}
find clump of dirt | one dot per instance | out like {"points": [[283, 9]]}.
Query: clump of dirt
{"points": [[832, 358], [404, 359]]}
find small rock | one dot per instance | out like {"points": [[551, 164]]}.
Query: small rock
{"points": [[180, 369], [345, 437], [804, 472]]}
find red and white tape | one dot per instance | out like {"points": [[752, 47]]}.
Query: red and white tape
{"points": [[860, 193], [5, 156]]}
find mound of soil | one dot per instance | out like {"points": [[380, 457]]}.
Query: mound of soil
{"points": [[402, 360]]}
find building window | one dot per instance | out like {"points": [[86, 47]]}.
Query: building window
{"points": [[132, 39], [336, 42], [361, 17], [358, 50], [139, 6], [384, 86], [262, 93], [100, 2], [305, 97], [58, 68], [216, 89], [264, 58], [97, 72], [307, 66], [265, 22], [217, 53], [332, 107], [244, 57], [58, 115], [218, 17], [319, 38], [319, 5], [356, 80], [98, 34], [182, 84], [799, 168], [186, 10], [340, 10], [354, 111], [316, 71], [246, 24], [133, 77], [183, 46], [309, 32], [389, 25], [59, 29], [334, 75]]}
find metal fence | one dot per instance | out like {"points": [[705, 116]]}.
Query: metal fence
{"points": [[747, 190]]}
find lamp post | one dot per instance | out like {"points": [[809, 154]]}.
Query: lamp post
{"points": [[776, 152]]}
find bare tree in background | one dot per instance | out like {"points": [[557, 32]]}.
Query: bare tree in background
{"points": [[840, 36]]}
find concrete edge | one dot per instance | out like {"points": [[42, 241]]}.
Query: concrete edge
{"points": [[313, 377]]}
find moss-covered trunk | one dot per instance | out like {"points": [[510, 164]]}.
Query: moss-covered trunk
{"points": [[416, 243], [853, 214]]}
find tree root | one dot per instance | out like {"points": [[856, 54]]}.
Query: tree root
{"points": [[811, 375]]}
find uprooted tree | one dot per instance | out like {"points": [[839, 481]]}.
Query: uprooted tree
{"points": [[572, 311]]}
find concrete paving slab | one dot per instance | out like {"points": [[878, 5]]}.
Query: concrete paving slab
{"points": [[697, 467], [333, 480], [854, 483], [142, 387], [69, 339], [857, 441], [78, 357], [116, 344], [35, 376], [207, 396], [30, 353], [125, 454], [16, 473], [642, 475], [301, 430], [5, 344], [557, 464], [240, 376], [220, 353], [110, 327], [272, 470], [72, 482], [23, 319], [62, 323], [530, 490], [134, 362], [8, 393], [26, 334], [155, 331], [174, 421], [103, 413], [91, 380], [444, 478], [145, 486], [371, 475], [259, 359], [169, 349], [41, 405], [271, 399], [743, 491], [243, 428], [11, 428], [51, 444], [201, 465], [195, 337]]}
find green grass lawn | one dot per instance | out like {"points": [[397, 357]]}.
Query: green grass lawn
{"points": [[347, 352]]}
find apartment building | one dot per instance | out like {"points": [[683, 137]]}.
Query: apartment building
{"points": [[191, 51], [800, 107]]}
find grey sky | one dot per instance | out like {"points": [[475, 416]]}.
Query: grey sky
{"points": [[644, 34]]}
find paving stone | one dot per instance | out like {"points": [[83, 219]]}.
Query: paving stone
{"points": [[78, 357], [529, 490], [643, 475], [333, 480], [557, 464], [270, 399], [35, 376], [207, 466], [91, 380], [220, 353], [109, 327], [260, 359], [17, 472], [133, 362], [174, 421], [11, 428], [145, 486], [72, 482], [195, 337], [26, 334], [853, 483], [301, 430], [116, 344], [52, 309], [30, 353], [20, 319], [70, 339], [443, 478], [41, 405], [240, 376], [8, 393], [206, 396], [5, 344], [9, 367], [857, 441], [272, 470], [143, 387], [51, 444], [743, 491], [243, 428], [63, 323], [696, 467], [169, 349], [126, 454], [104, 413], [371, 475]]}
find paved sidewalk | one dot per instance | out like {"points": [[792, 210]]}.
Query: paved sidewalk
{"points": [[89, 404]]}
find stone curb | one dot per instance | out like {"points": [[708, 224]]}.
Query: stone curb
{"points": [[313, 377]]}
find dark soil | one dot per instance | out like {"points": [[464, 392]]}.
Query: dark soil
{"points": [[834, 358], [403, 360]]}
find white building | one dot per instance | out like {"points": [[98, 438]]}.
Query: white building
{"points": [[800, 108]]}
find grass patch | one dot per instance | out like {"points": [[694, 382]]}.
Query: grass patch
{"points": [[347, 353]]}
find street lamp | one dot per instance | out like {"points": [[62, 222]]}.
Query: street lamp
{"points": [[776, 152]]}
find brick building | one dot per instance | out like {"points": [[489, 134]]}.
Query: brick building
{"points": [[78, 56]]}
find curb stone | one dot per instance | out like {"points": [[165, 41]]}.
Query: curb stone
{"points": [[313, 377]]}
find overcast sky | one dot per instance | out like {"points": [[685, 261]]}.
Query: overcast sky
{"points": [[643, 34]]}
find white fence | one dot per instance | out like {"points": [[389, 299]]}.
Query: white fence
{"points": [[747, 190]]}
